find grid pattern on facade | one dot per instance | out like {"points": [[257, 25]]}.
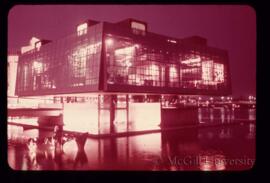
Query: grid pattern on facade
{"points": [[71, 62], [156, 62], [133, 63]]}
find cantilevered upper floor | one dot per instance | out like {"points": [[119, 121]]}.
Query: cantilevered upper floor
{"points": [[122, 57]]}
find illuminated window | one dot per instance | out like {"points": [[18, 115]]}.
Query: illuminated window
{"points": [[82, 29], [152, 75], [124, 56], [219, 72], [140, 65], [207, 71], [78, 63], [154, 70], [133, 64], [37, 67], [65, 63], [81, 61], [127, 51], [25, 78], [174, 80], [190, 71], [192, 61], [41, 78], [138, 28], [92, 48], [123, 72]]}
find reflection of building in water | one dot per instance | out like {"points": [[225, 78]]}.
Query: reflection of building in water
{"points": [[212, 162], [225, 133], [169, 150], [251, 131], [120, 69], [252, 114]]}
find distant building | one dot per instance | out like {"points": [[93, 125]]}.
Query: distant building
{"points": [[12, 72]]}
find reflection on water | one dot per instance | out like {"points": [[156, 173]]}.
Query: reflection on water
{"points": [[227, 147], [212, 148]]}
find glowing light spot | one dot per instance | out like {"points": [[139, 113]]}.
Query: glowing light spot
{"points": [[82, 29], [172, 41], [109, 42]]}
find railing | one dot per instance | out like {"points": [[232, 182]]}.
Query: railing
{"points": [[27, 102]]}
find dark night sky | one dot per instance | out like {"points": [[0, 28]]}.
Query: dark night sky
{"points": [[227, 27]]}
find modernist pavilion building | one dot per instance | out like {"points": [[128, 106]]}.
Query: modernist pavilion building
{"points": [[121, 61]]}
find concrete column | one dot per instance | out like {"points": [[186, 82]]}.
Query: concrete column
{"points": [[113, 100], [99, 114], [127, 112]]}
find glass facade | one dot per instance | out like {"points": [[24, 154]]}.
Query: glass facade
{"points": [[135, 63], [201, 69], [63, 65], [130, 62]]}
